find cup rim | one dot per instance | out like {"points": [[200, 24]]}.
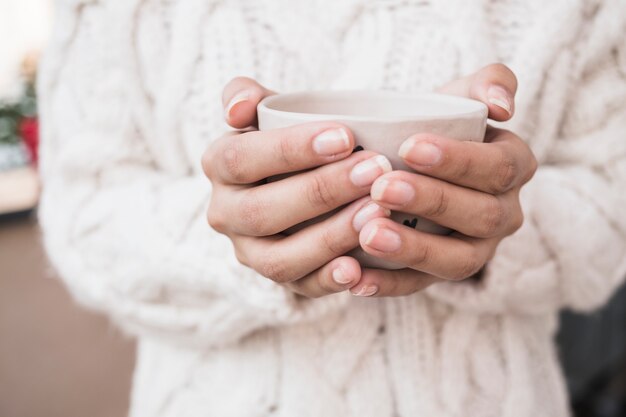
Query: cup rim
{"points": [[471, 108]]}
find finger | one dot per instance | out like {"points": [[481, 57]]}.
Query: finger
{"points": [[287, 259], [471, 212], [252, 156], [240, 98], [447, 257], [495, 85], [503, 162], [302, 197], [396, 283], [336, 276]]}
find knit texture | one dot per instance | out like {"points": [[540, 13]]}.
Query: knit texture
{"points": [[130, 98]]}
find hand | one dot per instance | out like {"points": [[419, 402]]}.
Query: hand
{"points": [[252, 213], [472, 188]]}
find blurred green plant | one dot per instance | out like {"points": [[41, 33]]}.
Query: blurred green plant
{"points": [[12, 114]]}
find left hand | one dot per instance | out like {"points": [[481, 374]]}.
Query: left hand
{"points": [[472, 188]]}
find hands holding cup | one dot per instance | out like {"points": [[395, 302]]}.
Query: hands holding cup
{"points": [[470, 187], [252, 212]]}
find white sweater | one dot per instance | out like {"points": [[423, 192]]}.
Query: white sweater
{"points": [[130, 98]]}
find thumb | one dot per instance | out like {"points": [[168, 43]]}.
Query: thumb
{"points": [[240, 98], [495, 85]]}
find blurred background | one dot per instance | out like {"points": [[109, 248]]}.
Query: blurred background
{"points": [[57, 359]]}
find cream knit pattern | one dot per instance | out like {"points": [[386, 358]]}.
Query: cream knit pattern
{"points": [[130, 97]]}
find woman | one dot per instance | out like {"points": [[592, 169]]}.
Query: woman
{"points": [[131, 100]]}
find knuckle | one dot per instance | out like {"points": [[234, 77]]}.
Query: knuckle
{"points": [[506, 173], [492, 217], [319, 193], [420, 255], [334, 243], [393, 287], [272, 266], [252, 215], [438, 204], [463, 168], [517, 221], [216, 220], [232, 158], [288, 151], [241, 257], [468, 265], [532, 168]]}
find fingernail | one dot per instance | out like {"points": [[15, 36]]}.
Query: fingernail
{"points": [[237, 98], [500, 97], [366, 291], [383, 239], [340, 277], [420, 153], [331, 142], [367, 213], [394, 192], [365, 172]]}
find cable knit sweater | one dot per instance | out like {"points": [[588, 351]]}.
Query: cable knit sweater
{"points": [[130, 98]]}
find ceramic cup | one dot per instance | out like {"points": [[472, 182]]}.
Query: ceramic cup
{"points": [[380, 122]]}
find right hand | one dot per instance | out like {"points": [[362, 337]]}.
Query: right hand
{"points": [[253, 213]]}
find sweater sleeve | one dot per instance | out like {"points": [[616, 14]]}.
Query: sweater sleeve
{"points": [[126, 231], [571, 250]]}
